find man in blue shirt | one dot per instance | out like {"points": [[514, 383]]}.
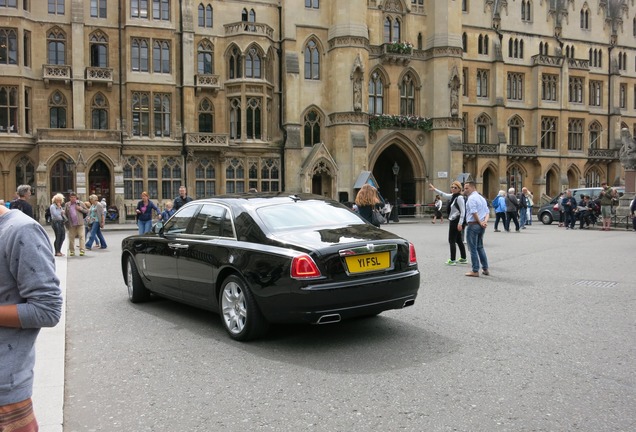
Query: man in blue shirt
{"points": [[477, 214]]}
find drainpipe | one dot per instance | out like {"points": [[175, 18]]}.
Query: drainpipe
{"points": [[609, 100], [184, 152], [280, 96], [121, 87]]}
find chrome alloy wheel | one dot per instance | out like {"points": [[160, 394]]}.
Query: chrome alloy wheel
{"points": [[234, 307]]}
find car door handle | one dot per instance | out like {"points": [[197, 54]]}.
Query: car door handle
{"points": [[177, 246]]}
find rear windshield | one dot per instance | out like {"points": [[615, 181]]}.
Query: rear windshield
{"points": [[306, 214]]}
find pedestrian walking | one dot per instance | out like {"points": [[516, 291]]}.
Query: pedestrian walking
{"points": [[512, 210], [22, 200], [96, 220], [144, 211], [182, 199], [499, 204], [75, 211]]}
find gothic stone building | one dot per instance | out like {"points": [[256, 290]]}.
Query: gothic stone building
{"points": [[117, 97]]}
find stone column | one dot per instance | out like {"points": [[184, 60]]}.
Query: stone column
{"points": [[627, 156]]}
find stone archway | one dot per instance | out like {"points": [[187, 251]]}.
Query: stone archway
{"points": [[99, 181], [406, 179], [322, 179]]}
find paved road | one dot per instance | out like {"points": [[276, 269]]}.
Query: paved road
{"points": [[546, 343]]}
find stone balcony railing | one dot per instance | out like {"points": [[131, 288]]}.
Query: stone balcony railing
{"points": [[207, 82], [244, 27], [521, 152], [396, 53], [56, 73], [99, 75], [472, 150], [602, 155], [547, 60], [583, 64], [206, 140]]}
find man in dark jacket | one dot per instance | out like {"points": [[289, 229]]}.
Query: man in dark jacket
{"points": [[569, 207], [512, 209], [523, 208], [183, 198], [22, 201]]}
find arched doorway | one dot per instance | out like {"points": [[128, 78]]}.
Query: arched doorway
{"points": [[490, 186], [99, 181], [61, 179], [552, 184], [406, 184], [321, 180]]}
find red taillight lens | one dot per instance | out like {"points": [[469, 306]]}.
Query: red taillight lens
{"points": [[412, 256], [303, 267]]}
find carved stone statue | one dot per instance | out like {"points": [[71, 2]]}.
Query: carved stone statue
{"points": [[454, 85], [357, 94], [627, 154]]}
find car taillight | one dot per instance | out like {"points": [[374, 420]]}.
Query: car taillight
{"points": [[303, 267], [412, 256]]}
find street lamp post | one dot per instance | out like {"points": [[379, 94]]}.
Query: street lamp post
{"points": [[396, 170]]}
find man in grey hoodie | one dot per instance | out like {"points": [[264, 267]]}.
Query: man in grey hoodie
{"points": [[30, 298]]}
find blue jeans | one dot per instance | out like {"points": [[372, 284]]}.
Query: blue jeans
{"points": [[144, 226], [523, 215], [475, 238], [96, 232]]}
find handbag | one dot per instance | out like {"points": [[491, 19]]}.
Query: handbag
{"points": [[376, 218]]}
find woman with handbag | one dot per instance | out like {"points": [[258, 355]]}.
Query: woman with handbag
{"points": [[367, 201], [57, 222], [95, 223]]}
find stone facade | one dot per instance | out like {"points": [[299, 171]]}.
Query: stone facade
{"points": [[295, 95]]}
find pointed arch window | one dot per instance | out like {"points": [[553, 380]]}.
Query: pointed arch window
{"points": [[170, 177], [515, 126], [8, 46], [9, 109], [98, 50], [236, 70], [376, 94], [254, 112], [312, 61], [161, 111], [575, 134], [585, 19], [205, 179], [483, 123], [407, 95], [548, 133], [133, 171], [253, 64], [205, 57], [482, 44], [57, 111], [595, 135], [270, 175], [161, 56], [543, 48], [25, 172], [526, 10], [61, 177], [482, 83], [235, 119], [249, 17], [56, 42], [313, 123], [140, 114], [593, 178], [206, 116], [234, 176], [139, 55], [205, 15], [515, 178], [99, 112], [515, 86], [464, 42], [392, 29]]}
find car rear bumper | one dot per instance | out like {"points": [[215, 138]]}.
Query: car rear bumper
{"points": [[332, 302]]}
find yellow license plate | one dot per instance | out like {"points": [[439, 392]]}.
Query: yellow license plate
{"points": [[368, 262]]}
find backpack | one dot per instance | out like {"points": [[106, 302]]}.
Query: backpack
{"points": [[47, 215], [464, 223]]}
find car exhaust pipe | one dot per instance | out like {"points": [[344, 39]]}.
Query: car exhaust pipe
{"points": [[409, 303], [329, 319]]}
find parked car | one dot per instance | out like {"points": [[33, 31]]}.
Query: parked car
{"points": [[547, 214], [272, 259]]}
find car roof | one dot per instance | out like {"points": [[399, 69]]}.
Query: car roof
{"points": [[255, 200]]}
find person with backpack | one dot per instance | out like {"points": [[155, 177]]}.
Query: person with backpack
{"points": [[512, 210], [499, 204], [456, 211]]}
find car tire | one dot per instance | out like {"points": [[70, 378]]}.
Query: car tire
{"points": [[546, 218], [238, 310], [137, 292]]}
